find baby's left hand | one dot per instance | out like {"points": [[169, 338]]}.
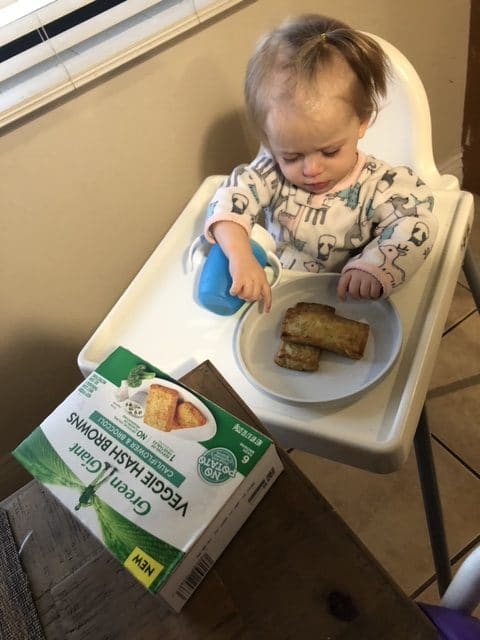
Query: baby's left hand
{"points": [[359, 285]]}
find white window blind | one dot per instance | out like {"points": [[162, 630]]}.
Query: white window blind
{"points": [[49, 48]]}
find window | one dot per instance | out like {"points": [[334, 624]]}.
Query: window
{"points": [[49, 48]]}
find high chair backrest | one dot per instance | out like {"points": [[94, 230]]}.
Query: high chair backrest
{"points": [[402, 131]]}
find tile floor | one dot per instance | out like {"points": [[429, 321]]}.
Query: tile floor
{"points": [[386, 511]]}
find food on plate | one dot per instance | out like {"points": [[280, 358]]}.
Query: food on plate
{"points": [[301, 357], [318, 325], [187, 415], [165, 410], [160, 407]]}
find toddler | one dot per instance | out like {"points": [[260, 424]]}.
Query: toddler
{"points": [[312, 87]]}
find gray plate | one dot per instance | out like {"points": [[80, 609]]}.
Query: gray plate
{"points": [[257, 339]]}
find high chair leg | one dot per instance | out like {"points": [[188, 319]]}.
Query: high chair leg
{"points": [[432, 504], [472, 274]]}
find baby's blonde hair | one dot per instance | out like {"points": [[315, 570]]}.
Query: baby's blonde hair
{"points": [[301, 47]]}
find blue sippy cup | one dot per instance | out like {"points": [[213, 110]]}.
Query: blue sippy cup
{"points": [[215, 280]]}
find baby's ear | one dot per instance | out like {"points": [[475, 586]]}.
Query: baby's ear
{"points": [[363, 127]]}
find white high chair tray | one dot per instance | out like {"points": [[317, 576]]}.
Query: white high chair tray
{"points": [[159, 319]]}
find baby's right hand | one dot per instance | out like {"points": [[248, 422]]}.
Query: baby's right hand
{"points": [[249, 281]]}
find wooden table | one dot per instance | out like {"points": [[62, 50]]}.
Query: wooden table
{"points": [[294, 570]]}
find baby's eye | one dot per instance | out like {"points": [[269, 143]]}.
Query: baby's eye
{"points": [[330, 154], [290, 159]]}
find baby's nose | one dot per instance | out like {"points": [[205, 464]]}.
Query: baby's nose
{"points": [[312, 166]]}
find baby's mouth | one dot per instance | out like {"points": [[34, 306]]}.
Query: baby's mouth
{"points": [[317, 186]]}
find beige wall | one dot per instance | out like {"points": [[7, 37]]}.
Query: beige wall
{"points": [[89, 187]]}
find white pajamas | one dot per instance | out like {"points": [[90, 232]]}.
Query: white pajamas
{"points": [[379, 219]]}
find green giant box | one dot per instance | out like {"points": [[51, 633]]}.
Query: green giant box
{"points": [[161, 475]]}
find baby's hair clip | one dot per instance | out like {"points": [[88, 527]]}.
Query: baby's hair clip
{"points": [[323, 37]]}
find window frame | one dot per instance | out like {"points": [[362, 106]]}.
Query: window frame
{"points": [[60, 63]]}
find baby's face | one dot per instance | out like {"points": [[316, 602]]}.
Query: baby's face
{"points": [[314, 141]]}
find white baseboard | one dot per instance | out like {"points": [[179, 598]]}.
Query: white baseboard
{"points": [[453, 166]]}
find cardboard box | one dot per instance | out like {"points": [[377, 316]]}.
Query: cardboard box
{"points": [[161, 475]]}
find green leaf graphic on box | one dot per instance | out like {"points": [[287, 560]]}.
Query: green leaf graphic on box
{"points": [[38, 456], [120, 535]]}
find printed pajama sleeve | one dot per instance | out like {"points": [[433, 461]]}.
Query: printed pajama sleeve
{"points": [[240, 198], [404, 226]]}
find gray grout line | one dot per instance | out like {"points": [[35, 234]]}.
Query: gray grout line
{"points": [[459, 556], [428, 583], [458, 322], [456, 456], [452, 387]]}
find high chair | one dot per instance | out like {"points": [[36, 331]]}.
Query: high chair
{"points": [[158, 318]]}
